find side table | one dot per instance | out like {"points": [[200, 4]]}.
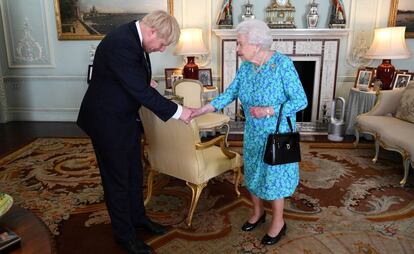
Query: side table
{"points": [[35, 236], [359, 102]]}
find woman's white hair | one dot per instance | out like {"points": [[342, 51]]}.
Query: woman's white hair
{"points": [[257, 32]]}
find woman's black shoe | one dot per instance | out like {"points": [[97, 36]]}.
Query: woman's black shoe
{"points": [[268, 240], [250, 226]]}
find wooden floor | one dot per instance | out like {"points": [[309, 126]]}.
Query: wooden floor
{"points": [[14, 135]]}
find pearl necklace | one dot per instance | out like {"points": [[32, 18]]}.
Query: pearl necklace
{"points": [[258, 68]]}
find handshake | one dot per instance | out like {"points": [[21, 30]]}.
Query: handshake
{"points": [[255, 112], [190, 113]]}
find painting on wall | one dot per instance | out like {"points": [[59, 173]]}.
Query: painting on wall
{"points": [[92, 19], [402, 14]]}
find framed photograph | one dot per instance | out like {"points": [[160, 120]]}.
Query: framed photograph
{"points": [[205, 77], [172, 75], [401, 80], [89, 78], [91, 19], [402, 14], [374, 75], [364, 78], [401, 72]]}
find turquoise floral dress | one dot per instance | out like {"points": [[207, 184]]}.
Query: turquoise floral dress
{"points": [[272, 84]]}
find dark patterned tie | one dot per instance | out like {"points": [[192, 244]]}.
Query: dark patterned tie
{"points": [[148, 66]]}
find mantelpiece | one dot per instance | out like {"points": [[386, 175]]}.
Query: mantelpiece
{"points": [[319, 45]]}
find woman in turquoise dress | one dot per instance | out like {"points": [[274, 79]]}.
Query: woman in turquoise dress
{"points": [[264, 81]]}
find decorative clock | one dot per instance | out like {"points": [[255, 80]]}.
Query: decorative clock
{"points": [[280, 14]]}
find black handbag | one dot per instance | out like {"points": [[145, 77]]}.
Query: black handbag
{"points": [[282, 148]]}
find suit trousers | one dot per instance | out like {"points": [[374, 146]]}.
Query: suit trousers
{"points": [[122, 180]]}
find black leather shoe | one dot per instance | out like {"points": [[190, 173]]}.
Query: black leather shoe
{"points": [[153, 227], [268, 240], [250, 226], [135, 246]]}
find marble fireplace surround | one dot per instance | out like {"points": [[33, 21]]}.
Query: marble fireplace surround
{"points": [[319, 45]]}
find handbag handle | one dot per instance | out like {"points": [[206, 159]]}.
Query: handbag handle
{"points": [[279, 120]]}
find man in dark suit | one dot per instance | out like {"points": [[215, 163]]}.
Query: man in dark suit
{"points": [[121, 83]]}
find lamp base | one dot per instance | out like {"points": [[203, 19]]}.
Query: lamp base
{"points": [[385, 73], [190, 70]]}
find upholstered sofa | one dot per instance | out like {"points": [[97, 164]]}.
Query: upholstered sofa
{"points": [[391, 122]]}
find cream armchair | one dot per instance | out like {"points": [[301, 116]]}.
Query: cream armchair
{"points": [[192, 93], [174, 148], [390, 132]]}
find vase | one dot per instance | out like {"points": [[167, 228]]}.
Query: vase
{"points": [[248, 13], [313, 16]]}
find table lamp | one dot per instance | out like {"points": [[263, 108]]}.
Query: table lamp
{"points": [[388, 43], [190, 44]]}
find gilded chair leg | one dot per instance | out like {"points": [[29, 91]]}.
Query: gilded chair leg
{"points": [[377, 147], [237, 172], [356, 137], [150, 181], [227, 134], [406, 163], [196, 190]]}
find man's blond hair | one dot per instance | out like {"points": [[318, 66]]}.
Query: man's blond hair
{"points": [[166, 25]]}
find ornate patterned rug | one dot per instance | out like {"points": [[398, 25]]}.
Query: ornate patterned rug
{"points": [[344, 203]]}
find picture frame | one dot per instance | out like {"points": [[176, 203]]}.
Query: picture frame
{"points": [[83, 20], [364, 78], [402, 14], [171, 75], [205, 77], [401, 72], [89, 77], [374, 75], [401, 80]]}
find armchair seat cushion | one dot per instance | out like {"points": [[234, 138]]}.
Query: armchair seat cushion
{"points": [[211, 120], [216, 163]]}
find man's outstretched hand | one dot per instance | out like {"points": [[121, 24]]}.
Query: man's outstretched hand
{"points": [[186, 115]]}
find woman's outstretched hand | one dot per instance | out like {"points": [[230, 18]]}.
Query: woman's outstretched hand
{"points": [[203, 110]]}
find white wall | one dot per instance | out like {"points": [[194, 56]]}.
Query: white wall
{"points": [[52, 88]]}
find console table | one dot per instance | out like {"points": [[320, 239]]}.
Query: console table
{"points": [[35, 236]]}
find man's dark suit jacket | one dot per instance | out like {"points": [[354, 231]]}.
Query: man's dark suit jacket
{"points": [[119, 86]]}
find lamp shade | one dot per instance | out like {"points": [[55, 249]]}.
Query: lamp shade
{"points": [[191, 43], [388, 43]]}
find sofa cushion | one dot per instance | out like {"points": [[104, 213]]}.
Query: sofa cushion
{"points": [[400, 135], [392, 131], [405, 110], [374, 124]]}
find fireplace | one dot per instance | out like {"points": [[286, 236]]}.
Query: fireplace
{"points": [[306, 72], [315, 55]]}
